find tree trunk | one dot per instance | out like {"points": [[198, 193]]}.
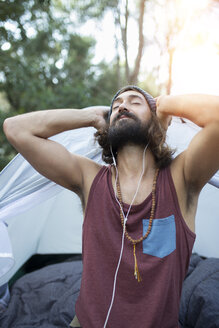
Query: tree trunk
{"points": [[124, 40], [170, 67], [118, 71], [134, 76]]}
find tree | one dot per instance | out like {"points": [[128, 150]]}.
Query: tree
{"points": [[41, 60], [173, 31], [122, 15], [45, 63], [168, 20]]}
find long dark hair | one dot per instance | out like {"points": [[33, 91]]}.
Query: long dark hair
{"points": [[157, 143]]}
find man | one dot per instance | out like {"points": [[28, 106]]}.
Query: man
{"points": [[138, 229]]}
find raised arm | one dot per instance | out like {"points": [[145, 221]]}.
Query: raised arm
{"points": [[29, 134], [201, 160]]}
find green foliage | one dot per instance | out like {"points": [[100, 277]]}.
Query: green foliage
{"points": [[105, 85], [150, 85], [6, 150], [45, 63], [44, 59], [93, 9]]}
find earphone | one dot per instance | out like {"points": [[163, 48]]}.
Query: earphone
{"points": [[124, 226]]}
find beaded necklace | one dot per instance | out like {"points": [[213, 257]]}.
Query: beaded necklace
{"points": [[137, 241]]}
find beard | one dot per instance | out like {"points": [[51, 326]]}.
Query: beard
{"points": [[127, 131]]}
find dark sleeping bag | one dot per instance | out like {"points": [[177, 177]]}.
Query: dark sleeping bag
{"points": [[199, 306], [45, 298]]}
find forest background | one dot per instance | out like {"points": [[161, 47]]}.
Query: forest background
{"points": [[73, 54]]}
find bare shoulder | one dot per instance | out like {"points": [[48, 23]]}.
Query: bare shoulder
{"points": [[89, 169], [187, 198]]}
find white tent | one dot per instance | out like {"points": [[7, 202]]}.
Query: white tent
{"points": [[39, 217]]}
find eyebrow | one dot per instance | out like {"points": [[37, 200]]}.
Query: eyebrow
{"points": [[129, 97]]}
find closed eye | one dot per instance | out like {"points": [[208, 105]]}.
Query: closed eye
{"points": [[115, 107]]}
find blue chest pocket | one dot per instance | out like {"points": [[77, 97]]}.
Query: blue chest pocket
{"points": [[161, 241]]}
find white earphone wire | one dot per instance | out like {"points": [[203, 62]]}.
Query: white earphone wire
{"points": [[124, 226]]}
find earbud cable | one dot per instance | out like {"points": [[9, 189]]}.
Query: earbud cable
{"points": [[124, 226]]}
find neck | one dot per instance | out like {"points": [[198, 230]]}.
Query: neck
{"points": [[129, 160]]}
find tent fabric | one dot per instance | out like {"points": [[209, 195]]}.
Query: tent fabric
{"points": [[6, 254], [43, 217]]}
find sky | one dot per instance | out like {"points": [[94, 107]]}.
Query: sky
{"points": [[196, 65], [196, 58]]}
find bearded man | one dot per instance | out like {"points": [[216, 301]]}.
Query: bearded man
{"points": [[139, 211]]}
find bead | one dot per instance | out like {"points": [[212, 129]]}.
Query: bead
{"points": [[153, 203], [152, 210]]}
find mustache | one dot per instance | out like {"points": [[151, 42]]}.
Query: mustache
{"points": [[124, 113]]}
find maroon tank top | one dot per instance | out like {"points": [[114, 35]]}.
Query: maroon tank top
{"points": [[163, 258]]}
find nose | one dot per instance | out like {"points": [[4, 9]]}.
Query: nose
{"points": [[122, 106]]}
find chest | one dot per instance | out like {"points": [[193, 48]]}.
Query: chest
{"points": [[133, 191]]}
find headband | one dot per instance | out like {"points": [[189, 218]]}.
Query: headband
{"points": [[150, 100]]}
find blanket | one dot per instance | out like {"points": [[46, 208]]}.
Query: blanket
{"points": [[199, 306], [46, 298]]}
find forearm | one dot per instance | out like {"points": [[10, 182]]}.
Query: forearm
{"points": [[47, 123], [200, 109]]}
